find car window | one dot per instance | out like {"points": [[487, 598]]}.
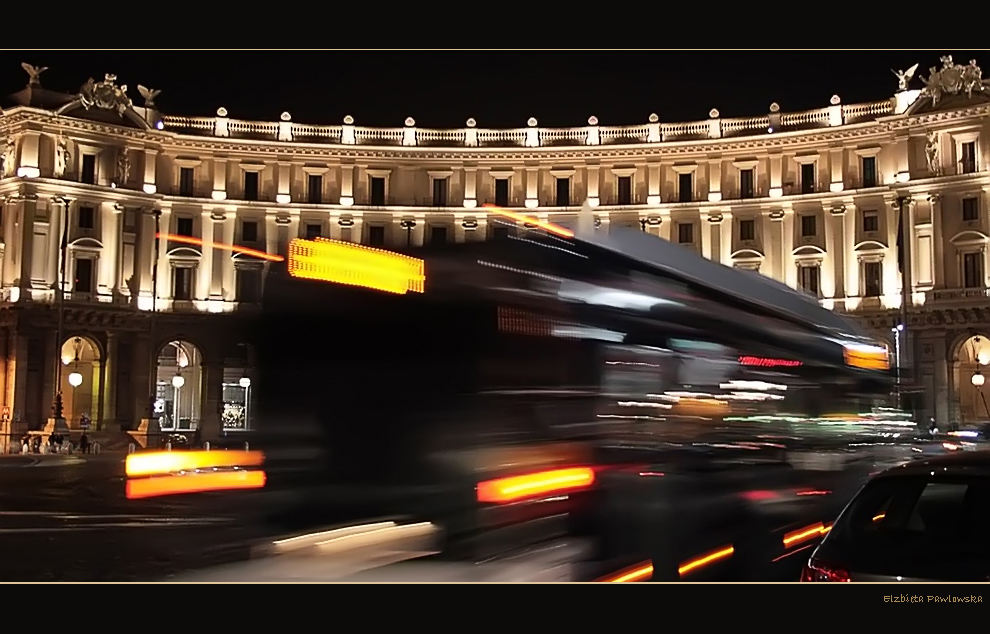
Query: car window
{"points": [[927, 527]]}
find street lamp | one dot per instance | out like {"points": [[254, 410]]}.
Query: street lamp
{"points": [[157, 214], [978, 379], [245, 383], [75, 379], [60, 290], [897, 330], [177, 382]]}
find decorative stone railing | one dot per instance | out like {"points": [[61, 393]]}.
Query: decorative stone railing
{"points": [[532, 135]]}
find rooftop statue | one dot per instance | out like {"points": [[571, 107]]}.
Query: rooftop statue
{"points": [[954, 79], [106, 95]]}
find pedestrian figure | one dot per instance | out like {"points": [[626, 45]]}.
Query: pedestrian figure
{"points": [[84, 443]]}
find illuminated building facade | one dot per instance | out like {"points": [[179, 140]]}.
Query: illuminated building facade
{"points": [[812, 199]]}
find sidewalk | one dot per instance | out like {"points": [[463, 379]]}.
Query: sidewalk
{"points": [[55, 460]]}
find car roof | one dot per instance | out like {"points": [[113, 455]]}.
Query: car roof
{"points": [[956, 463]]}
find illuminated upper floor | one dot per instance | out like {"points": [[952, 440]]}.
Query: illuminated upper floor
{"points": [[810, 198]]}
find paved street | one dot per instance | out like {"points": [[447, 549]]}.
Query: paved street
{"points": [[65, 518]]}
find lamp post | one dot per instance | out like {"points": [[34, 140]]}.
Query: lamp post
{"points": [[897, 330], [60, 290], [177, 382], [245, 383], [157, 214], [408, 225]]}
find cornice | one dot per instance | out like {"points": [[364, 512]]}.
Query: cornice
{"points": [[21, 119]]}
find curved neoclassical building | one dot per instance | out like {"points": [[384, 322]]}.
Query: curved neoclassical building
{"points": [[813, 199]]}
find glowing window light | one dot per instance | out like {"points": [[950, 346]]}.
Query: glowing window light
{"points": [[356, 265], [764, 362], [194, 483], [535, 484], [549, 227]]}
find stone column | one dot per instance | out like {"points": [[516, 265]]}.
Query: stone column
{"points": [[938, 260], [593, 178], [942, 388], [108, 419], [212, 401], [838, 248]]}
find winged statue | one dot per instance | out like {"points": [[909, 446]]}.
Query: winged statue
{"points": [[905, 76], [148, 95], [34, 72]]}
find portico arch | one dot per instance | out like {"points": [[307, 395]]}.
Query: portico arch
{"points": [[81, 381], [179, 386], [971, 358]]}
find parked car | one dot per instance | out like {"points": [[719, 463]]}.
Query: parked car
{"points": [[921, 521]]}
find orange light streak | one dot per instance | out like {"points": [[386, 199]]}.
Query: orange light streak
{"points": [[220, 245], [342, 262], [704, 560], [194, 483], [639, 572], [164, 462], [879, 517], [535, 484], [804, 534], [549, 227]]}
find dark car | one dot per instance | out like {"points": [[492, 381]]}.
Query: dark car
{"points": [[921, 521]]}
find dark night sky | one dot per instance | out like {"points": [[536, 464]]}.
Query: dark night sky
{"points": [[499, 89]]}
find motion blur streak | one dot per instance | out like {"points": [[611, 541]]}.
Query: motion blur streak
{"points": [[549, 227], [163, 462], [220, 245], [867, 357], [639, 572], [535, 484], [704, 560], [804, 534], [391, 536], [792, 552], [814, 493], [312, 539], [356, 265], [879, 517], [194, 483]]}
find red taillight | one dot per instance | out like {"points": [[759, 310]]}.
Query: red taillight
{"points": [[817, 571]]}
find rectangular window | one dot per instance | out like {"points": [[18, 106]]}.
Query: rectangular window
{"points": [[747, 184], [809, 226], [973, 276], [83, 279], [376, 235], [809, 278], [249, 231], [968, 159], [685, 233], [869, 171], [377, 186], [87, 218], [685, 187], [182, 277], [872, 279], [807, 178], [502, 192], [438, 235], [87, 172], [563, 192], [747, 230], [184, 227], [249, 285], [187, 184], [314, 231], [440, 189], [250, 185], [970, 209], [314, 189], [624, 190], [871, 222]]}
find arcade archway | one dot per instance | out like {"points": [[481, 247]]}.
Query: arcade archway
{"points": [[179, 387], [81, 382], [969, 373]]}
